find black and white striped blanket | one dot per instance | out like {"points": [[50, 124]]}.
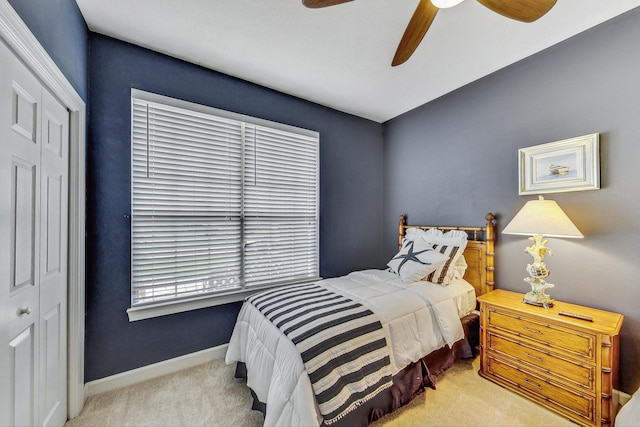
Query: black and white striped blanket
{"points": [[341, 342]]}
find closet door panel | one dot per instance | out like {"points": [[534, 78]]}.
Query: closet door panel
{"points": [[22, 382], [23, 220]]}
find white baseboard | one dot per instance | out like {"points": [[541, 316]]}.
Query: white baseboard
{"points": [[159, 369]]}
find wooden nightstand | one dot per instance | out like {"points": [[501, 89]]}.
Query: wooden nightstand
{"points": [[566, 364]]}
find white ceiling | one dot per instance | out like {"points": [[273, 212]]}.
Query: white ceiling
{"points": [[340, 56]]}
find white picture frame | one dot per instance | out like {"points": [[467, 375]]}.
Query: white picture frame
{"points": [[568, 165]]}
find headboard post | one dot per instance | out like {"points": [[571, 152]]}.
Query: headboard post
{"points": [[402, 219], [490, 251]]}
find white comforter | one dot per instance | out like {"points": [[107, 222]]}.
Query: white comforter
{"points": [[417, 318]]}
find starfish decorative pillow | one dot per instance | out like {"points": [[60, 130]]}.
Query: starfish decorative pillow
{"points": [[416, 260]]}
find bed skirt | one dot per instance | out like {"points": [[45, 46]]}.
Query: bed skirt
{"points": [[409, 382]]}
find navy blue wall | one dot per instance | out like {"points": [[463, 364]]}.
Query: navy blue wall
{"points": [[462, 153], [60, 28], [350, 198]]}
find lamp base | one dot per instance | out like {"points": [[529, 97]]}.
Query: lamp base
{"points": [[538, 304], [538, 297]]}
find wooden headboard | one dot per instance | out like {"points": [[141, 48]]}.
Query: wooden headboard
{"points": [[479, 254]]}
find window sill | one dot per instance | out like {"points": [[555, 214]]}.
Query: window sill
{"points": [[173, 307]]}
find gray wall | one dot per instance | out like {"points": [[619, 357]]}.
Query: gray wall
{"points": [[454, 159]]}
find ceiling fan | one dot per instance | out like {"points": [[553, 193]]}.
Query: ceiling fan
{"points": [[520, 10]]}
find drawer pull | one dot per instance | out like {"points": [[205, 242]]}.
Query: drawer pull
{"points": [[533, 330], [539, 359], [533, 384]]}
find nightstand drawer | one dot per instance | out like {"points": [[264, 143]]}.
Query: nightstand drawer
{"points": [[580, 344], [576, 373], [563, 399]]}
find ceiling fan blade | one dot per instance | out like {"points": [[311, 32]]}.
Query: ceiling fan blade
{"points": [[417, 28], [315, 4], [520, 10]]}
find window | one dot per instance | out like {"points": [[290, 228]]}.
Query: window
{"points": [[221, 204]]}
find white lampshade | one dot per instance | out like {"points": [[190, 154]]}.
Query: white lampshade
{"points": [[542, 217], [444, 4]]}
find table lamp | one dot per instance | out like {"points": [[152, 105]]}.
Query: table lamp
{"points": [[539, 218]]}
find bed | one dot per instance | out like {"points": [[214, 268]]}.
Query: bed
{"points": [[629, 414], [404, 327]]}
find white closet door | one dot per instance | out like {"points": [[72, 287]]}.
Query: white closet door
{"points": [[33, 248], [53, 261], [19, 240]]}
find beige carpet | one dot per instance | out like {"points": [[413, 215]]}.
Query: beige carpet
{"points": [[208, 395]]}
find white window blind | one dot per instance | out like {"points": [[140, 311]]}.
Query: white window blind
{"points": [[220, 203]]}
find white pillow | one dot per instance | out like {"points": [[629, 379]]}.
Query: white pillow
{"points": [[443, 274], [416, 260], [460, 267], [452, 243], [415, 234], [451, 237], [435, 236]]}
